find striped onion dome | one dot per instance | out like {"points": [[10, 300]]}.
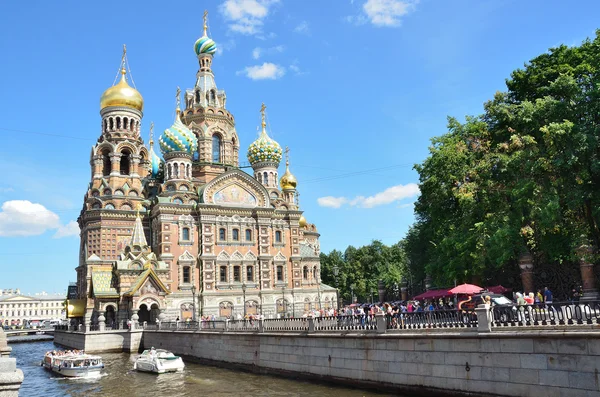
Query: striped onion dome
{"points": [[178, 138]]}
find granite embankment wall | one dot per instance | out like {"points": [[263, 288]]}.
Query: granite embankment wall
{"points": [[521, 363], [100, 341]]}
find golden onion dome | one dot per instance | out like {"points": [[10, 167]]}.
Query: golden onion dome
{"points": [[122, 94], [288, 180], [302, 221]]}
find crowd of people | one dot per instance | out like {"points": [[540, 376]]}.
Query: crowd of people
{"points": [[64, 353]]}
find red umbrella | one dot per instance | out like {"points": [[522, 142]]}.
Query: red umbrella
{"points": [[466, 289]]}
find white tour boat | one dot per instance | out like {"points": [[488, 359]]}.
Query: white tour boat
{"points": [[73, 364], [158, 361]]}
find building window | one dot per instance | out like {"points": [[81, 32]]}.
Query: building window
{"points": [[185, 234], [236, 273], [277, 236], [248, 235], [186, 274], [222, 234], [250, 273], [279, 273], [315, 273], [305, 273], [216, 148], [235, 235], [223, 274]]}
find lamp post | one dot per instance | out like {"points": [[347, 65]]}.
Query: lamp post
{"points": [[371, 295], [283, 308], [193, 302], [351, 293], [336, 269], [244, 293], [396, 290]]}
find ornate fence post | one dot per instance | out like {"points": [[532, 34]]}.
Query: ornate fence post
{"points": [[134, 319], [311, 325], [261, 325], [526, 265], [101, 321], [586, 267], [484, 318]]}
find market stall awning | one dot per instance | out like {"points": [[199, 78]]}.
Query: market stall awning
{"points": [[433, 294]]}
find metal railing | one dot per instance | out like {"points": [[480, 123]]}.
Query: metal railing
{"points": [[560, 313], [286, 324], [346, 323], [433, 319]]}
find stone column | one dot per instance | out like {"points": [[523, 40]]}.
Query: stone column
{"points": [[97, 163], [526, 265], [115, 164], [586, 267], [484, 318], [101, 321], [135, 164], [381, 323], [10, 377]]}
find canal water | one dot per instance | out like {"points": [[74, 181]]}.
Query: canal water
{"points": [[195, 380]]}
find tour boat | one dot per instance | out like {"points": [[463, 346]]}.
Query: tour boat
{"points": [[73, 364], [158, 361]]}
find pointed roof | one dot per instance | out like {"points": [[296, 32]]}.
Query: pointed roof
{"points": [[148, 273]]}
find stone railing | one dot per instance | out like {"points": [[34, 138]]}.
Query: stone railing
{"points": [[366, 322], [552, 314]]}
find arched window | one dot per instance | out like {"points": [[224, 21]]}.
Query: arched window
{"points": [[188, 172], [236, 274], [213, 97], [222, 234], [223, 274], [186, 274], [216, 148], [250, 273], [314, 273], [248, 235], [185, 234], [118, 123], [278, 236], [111, 123], [125, 162], [105, 126], [235, 235], [125, 123], [305, 273], [259, 177], [197, 96], [106, 165], [265, 178], [168, 171]]}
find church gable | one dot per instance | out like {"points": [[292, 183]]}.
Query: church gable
{"points": [[237, 189], [147, 283]]}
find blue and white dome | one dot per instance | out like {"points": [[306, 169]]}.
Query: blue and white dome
{"points": [[178, 138], [155, 163], [264, 149], [205, 45]]}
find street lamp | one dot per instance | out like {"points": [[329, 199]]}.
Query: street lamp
{"points": [[351, 294], [396, 290], [283, 308], [193, 302], [244, 292], [336, 269]]}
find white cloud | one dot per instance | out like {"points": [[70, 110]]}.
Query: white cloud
{"points": [[262, 72], [332, 202], [388, 196], [70, 229], [246, 16], [6, 189], [383, 12], [24, 218], [296, 69], [302, 28], [258, 51]]}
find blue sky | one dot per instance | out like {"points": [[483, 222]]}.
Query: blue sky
{"points": [[356, 89]]}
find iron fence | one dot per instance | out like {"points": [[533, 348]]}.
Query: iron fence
{"points": [[346, 323], [560, 313], [433, 319], [286, 324]]}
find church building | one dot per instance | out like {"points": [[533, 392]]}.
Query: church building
{"points": [[191, 234]]}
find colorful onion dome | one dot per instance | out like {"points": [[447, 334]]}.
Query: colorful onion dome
{"points": [[205, 45], [288, 180], [155, 162], [302, 221], [178, 138], [264, 149], [121, 94]]}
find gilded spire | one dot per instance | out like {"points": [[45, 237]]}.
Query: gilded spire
{"points": [[205, 17], [178, 99], [151, 134], [262, 115], [288, 181]]}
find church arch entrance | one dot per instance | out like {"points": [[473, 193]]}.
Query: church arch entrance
{"points": [[144, 314], [111, 317]]}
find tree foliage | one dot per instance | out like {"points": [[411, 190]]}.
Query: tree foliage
{"points": [[522, 177]]}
